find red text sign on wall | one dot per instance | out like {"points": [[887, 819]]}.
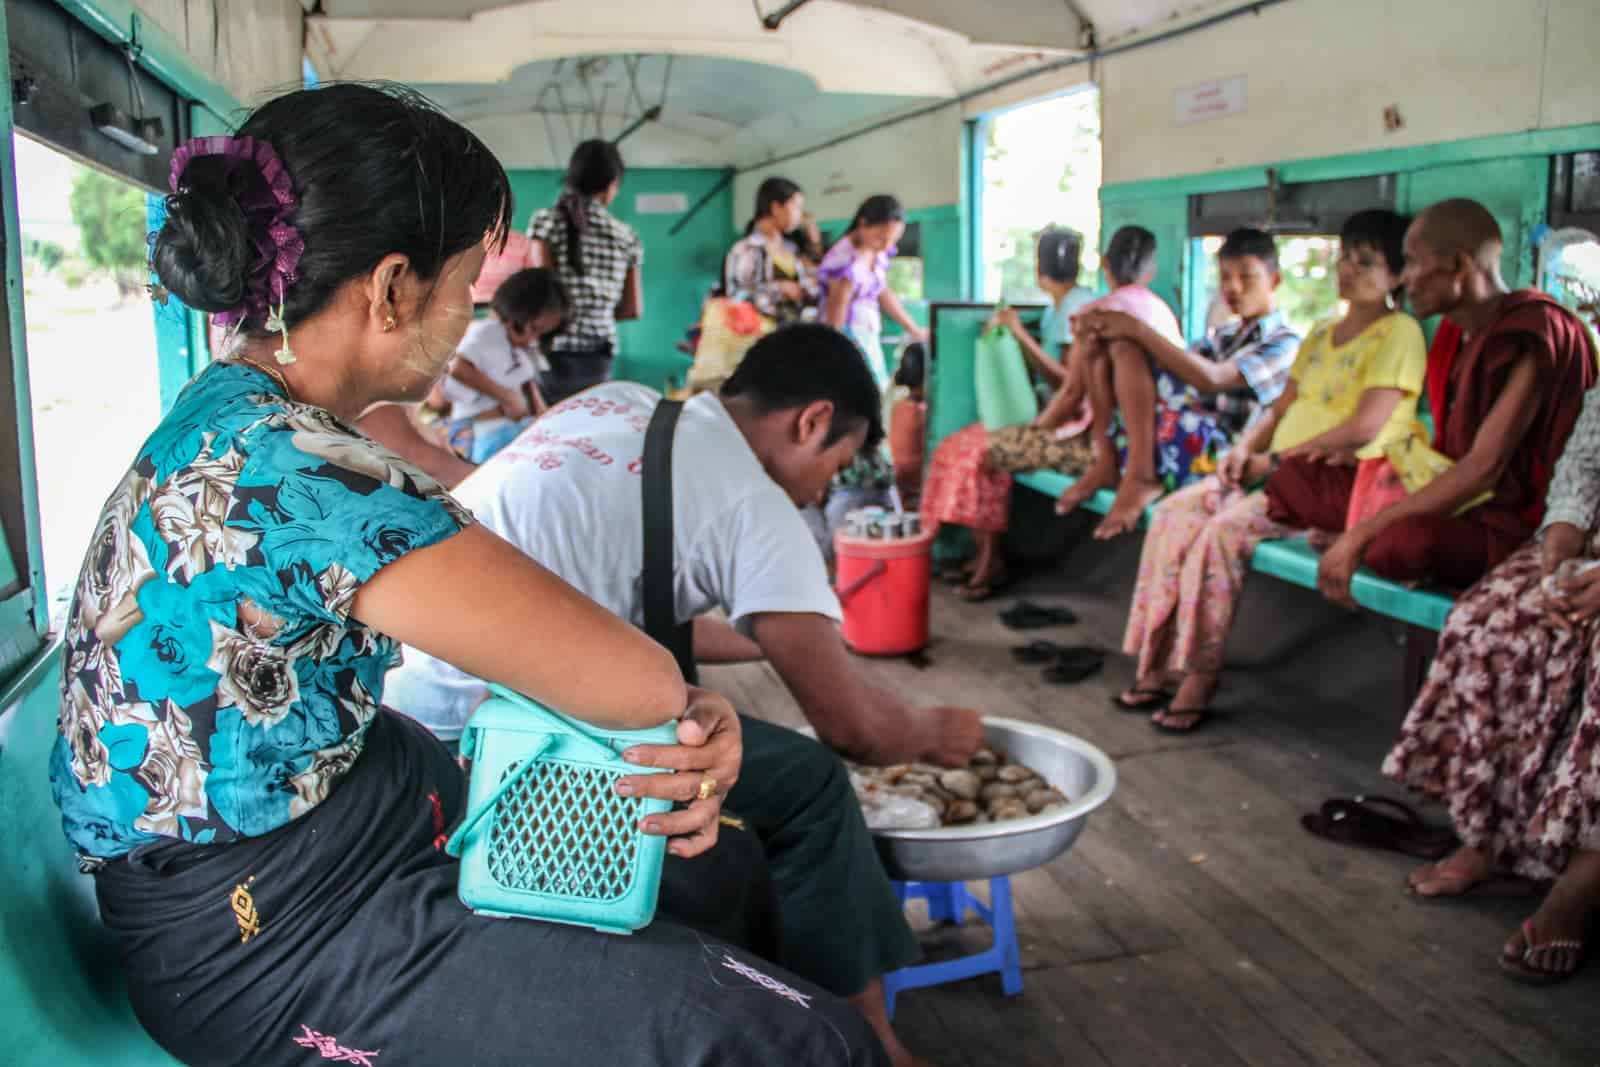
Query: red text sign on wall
{"points": [[1208, 100]]}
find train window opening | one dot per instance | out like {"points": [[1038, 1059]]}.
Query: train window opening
{"points": [[93, 370], [1305, 217], [1575, 191], [905, 269], [1569, 256], [1569, 269], [1040, 167]]}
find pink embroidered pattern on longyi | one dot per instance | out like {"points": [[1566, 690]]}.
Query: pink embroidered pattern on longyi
{"points": [[439, 836], [767, 982], [330, 1049]]}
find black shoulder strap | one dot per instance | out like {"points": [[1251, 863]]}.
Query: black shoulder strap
{"points": [[660, 605]]}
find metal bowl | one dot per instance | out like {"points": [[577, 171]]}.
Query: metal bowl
{"points": [[987, 850]]}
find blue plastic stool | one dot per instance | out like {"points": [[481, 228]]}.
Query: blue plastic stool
{"points": [[950, 902]]}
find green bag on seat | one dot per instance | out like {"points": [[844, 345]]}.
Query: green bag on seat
{"points": [[1005, 394]]}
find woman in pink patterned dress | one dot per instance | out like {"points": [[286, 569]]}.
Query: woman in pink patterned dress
{"points": [[1352, 392], [1506, 732]]}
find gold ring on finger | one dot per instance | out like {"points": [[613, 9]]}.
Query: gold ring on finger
{"points": [[708, 786]]}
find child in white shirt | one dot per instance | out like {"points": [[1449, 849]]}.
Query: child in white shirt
{"points": [[491, 390]]}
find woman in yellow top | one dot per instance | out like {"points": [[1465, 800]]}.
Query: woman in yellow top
{"points": [[1352, 392]]}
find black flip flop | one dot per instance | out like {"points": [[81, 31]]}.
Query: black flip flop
{"points": [[1035, 653], [1201, 717], [1072, 655], [1160, 699], [1025, 615], [1381, 823], [1071, 669]]}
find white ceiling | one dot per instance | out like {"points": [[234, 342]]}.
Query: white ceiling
{"points": [[534, 76]]}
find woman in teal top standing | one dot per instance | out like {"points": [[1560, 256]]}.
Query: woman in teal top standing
{"points": [[266, 838]]}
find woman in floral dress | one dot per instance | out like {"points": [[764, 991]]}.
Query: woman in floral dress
{"points": [[266, 839], [1506, 732]]}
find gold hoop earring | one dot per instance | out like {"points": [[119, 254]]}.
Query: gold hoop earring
{"points": [[389, 324]]}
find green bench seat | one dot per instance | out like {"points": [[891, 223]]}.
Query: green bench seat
{"points": [[1053, 483], [62, 996], [1294, 561]]}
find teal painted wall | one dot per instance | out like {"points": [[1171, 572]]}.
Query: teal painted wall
{"points": [[679, 270], [1168, 218], [62, 995], [941, 252]]}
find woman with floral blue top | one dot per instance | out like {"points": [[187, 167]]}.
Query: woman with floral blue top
{"points": [[265, 837]]}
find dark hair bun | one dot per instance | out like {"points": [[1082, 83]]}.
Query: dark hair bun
{"points": [[1060, 252], [204, 251], [1131, 253], [345, 148]]}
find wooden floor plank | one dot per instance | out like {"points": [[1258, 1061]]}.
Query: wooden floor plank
{"points": [[1362, 937], [1195, 922], [994, 1028], [1298, 994], [1446, 942], [1138, 1016], [1061, 930]]}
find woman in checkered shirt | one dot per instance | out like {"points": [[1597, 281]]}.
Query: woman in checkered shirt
{"points": [[597, 257]]}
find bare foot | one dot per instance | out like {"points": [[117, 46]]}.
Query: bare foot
{"points": [[1150, 691], [900, 1056], [1099, 476], [1143, 695], [983, 584], [870, 1003], [1133, 496], [1197, 690], [1549, 946], [1452, 876], [1191, 704]]}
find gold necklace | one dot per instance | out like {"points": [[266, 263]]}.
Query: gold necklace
{"points": [[271, 372]]}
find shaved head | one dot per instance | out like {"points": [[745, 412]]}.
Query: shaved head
{"points": [[1453, 260], [1462, 227]]}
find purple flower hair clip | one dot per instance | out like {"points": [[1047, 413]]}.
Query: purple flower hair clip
{"points": [[264, 192]]}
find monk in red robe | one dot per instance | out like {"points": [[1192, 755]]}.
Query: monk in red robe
{"points": [[1506, 379]]}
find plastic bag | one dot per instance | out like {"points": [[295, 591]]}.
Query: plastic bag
{"points": [[728, 329], [1005, 393], [1405, 467], [885, 810]]}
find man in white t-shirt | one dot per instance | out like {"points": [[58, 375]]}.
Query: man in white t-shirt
{"points": [[568, 493]]}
